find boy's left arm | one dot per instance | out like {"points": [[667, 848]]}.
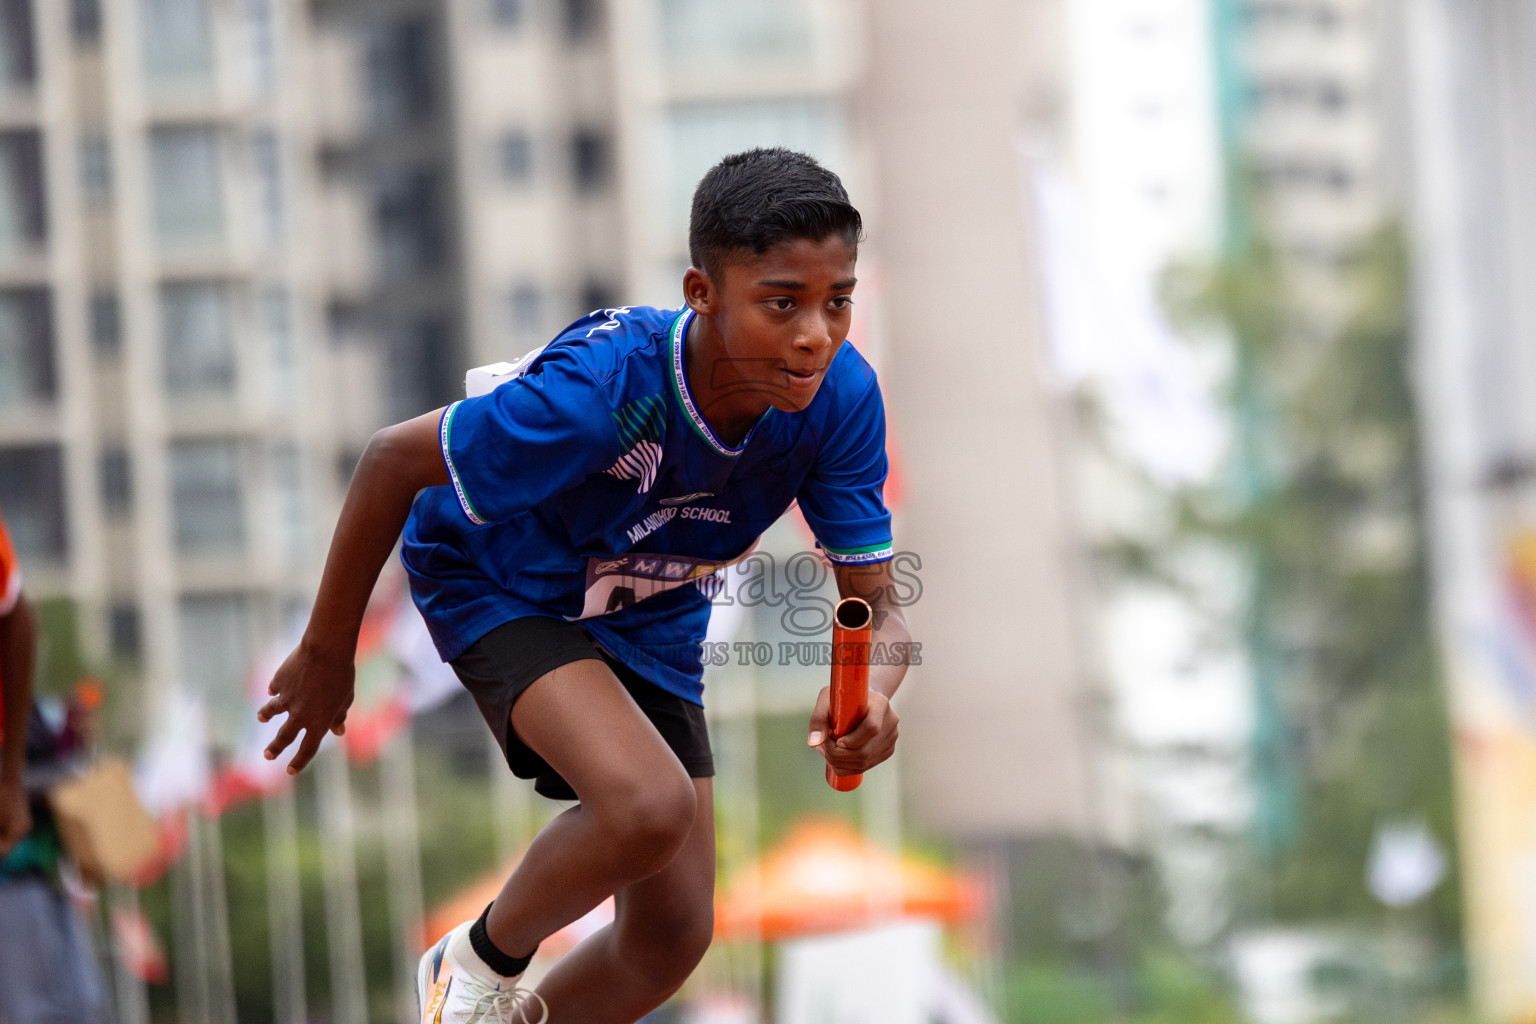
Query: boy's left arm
{"points": [[873, 740]]}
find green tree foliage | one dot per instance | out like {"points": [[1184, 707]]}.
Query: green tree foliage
{"points": [[1325, 506]]}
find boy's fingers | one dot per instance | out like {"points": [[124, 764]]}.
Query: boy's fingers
{"points": [[867, 729], [818, 728], [272, 707], [285, 735], [307, 750]]}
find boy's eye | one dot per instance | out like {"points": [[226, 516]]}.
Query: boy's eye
{"points": [[782, 303], [843, 302]]}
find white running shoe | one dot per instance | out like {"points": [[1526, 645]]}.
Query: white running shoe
{"points": [[452, 993]]}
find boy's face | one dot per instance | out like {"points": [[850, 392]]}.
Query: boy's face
{"points": [[780, 318]]}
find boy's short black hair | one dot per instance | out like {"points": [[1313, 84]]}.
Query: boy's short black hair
{"points": [[757, 199]]}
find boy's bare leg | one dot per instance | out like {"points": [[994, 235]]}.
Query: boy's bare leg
{"points": [[637, 804], [663, 926]]}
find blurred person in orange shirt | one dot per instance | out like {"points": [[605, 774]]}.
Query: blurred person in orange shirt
{"points": [[47, 965]]}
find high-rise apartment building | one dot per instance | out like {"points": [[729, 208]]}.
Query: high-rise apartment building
{"points": [[171, 416], [1308, 118]]}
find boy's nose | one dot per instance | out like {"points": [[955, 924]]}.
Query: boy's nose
{"points": [[816, 337]]}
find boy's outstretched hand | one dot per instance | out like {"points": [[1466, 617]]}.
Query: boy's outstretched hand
{"points": [[872, 741], [314, 690]]}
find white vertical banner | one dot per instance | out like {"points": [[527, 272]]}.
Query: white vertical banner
{"points": [[221, 970], [190, 934], [285, 906], [343, 922], [402, 855]]}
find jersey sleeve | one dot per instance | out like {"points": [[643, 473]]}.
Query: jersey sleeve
{"points": [[528, 440], [10, 574], [842, 499]]}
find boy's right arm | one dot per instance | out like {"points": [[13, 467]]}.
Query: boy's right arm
{"points": [[314, 685]]}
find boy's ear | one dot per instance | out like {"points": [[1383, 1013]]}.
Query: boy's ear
{"points": [[699, 291]]}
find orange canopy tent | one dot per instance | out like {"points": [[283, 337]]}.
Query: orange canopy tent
{"points": [[825, 877]]}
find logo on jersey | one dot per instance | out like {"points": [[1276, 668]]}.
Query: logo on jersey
{"points": [[641, 426], [639, 463], [685, 499]]}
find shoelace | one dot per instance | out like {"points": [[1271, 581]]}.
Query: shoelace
{"points": [[502, 1002]]}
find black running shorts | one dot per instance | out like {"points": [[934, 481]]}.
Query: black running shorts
{"points": [[499, 666]]}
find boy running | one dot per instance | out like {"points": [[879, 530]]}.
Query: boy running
{"points": [[563, 535]]}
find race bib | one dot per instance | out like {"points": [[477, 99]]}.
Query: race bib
{"points": [[614, 584]]}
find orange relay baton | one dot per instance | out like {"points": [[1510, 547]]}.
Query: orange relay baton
{"points": [[850, 677]]}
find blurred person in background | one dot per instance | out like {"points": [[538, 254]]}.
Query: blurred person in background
{"points": [[47, 965]]}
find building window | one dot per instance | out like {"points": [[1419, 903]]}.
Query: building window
{"points": [[421, 352], [507, 13], [515, 156], [23, 227], [26, 347], [346, 465], [18, 60], [95, 169], [187, 176], [589, 160], [580, 19], [205, 497], [32, 494], [727, 37], [527, 310], [126, 632], [106, 326], [345, 323], [199, 350], [409, 222], [597, 295], [177, 38], [291, 512], [265, 158], [277, 333], [116, 482], [85, 20], [258, 19], [215, 645], [399, 62]]}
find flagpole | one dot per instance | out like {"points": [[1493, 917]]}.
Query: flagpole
{"points": [[285, 906], [191, 973], [402, 854], [342, 915], [132, 999], [222, 973]]}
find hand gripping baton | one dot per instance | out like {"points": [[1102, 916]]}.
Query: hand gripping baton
{"points": [[850, 677]]}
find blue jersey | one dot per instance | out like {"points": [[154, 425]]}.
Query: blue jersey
{"points": [[591, 487]]}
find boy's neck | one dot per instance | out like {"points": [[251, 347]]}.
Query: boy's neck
{"points": [[731, 411]]}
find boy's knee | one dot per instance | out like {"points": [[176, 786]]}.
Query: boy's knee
{"points": [[653, 821]]}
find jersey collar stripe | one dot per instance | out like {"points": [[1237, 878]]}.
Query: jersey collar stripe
{"points": [[685, 398], [445, 433]]}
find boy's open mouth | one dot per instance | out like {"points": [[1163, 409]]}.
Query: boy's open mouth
{"points": [[806, 379]]}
